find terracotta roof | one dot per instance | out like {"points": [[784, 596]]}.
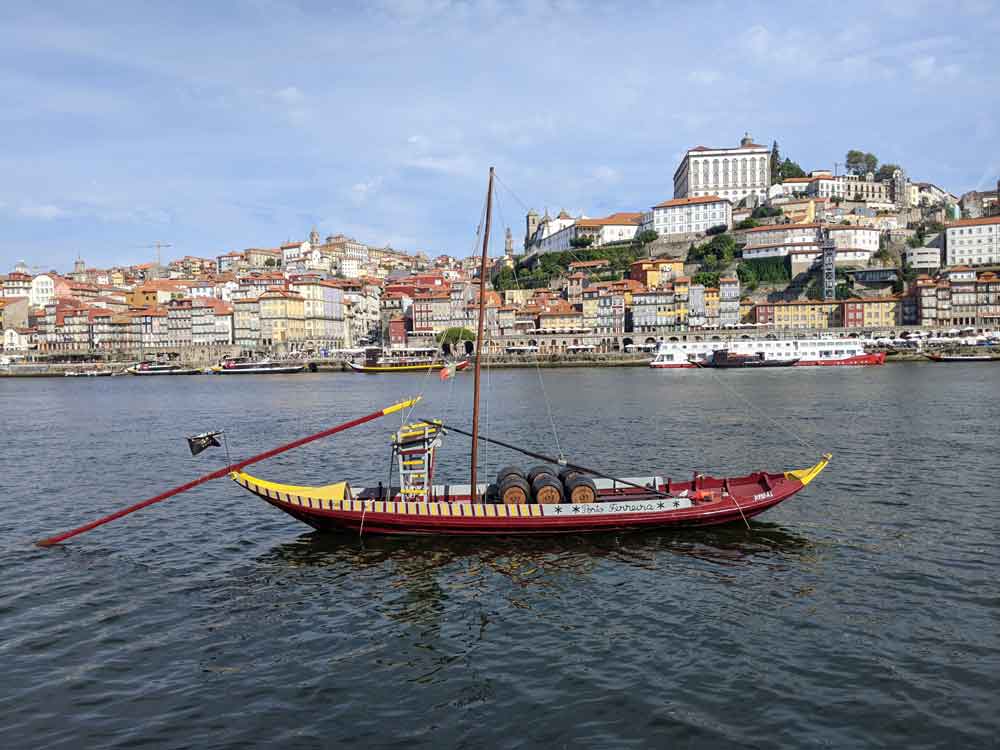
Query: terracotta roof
{"points": [[689, 201], [974, 222], [620, 218], [783, 227]]}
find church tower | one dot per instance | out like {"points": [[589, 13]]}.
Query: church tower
{"points": [[314, 238], [531, 224]]}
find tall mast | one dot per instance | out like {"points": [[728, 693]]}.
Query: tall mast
{"points": [[479, 335]]}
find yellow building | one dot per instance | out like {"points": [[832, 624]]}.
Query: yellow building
{"points": [[805, 314], [282, 317]]}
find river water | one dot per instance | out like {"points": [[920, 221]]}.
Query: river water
{"points": [[863, 612]]}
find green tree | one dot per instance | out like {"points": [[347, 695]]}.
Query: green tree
{"points": [[775, 164], [452, 336], [860, 162], [270, 263], [646, 236], [706, 278], [871, 162], [790, 169], [580, 242], [885, 171], [748, 224]]}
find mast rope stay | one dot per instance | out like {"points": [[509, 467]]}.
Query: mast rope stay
{"points": [[534, 355]]}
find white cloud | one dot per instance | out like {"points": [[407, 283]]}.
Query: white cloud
{"points": [[706, 77], [43, 211], [362, 191], [926, 68], [289, 95], [605, 173]]}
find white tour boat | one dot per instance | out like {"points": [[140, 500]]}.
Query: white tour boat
{"points": [[807, 352]]}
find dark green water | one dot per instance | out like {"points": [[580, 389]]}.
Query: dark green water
{"points": [[861, 613]]}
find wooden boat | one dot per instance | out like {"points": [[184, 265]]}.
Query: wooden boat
{"points": [[158, 368], [961, 357], [724, 359], [702, 501], [247, 366], [411, 360], [543, 501]]}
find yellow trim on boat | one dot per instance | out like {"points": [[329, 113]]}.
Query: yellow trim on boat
{"points": [[807, 475], [401, 405], [338, 491]]}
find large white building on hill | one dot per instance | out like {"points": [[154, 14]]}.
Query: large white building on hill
{"points": [[731, 173]]}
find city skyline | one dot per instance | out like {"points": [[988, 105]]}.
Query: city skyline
{"points": [[382, 123]]}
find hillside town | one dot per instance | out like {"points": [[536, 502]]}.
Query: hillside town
{"points": [[747, 240]]}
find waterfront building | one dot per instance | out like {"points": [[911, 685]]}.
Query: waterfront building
{"points": [[611, 314], [729, 301], [654, 311], [730, 173], [431, 312], [680, 217], [988, 300], [799, 314], [323, 310], [973, 242], [282, 319], [246, 323], [179, 316], [149, 328], [962, 281]]}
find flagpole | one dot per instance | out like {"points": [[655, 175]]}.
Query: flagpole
{"points": [[48, 542]]}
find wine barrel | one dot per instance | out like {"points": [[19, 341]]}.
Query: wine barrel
{"points": [[538, 471], [581, 489], [514, 490], [492, 493], [507, 471], [547, 489], [565, 473]]}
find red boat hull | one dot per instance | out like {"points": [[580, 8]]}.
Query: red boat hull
{"points": [[704, 501], [862, 359]]}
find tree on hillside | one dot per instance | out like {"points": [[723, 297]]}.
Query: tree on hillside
{"points": [[860, 162], [789, 168], [579, 242], [775, 164], [646, 236], [885, 171]]}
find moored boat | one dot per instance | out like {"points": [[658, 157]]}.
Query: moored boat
{"points": [[544, 500], [806, 352], [657, 502], [723, 359], [406, 360], [160, 368], [933, 357], [247, 366]]}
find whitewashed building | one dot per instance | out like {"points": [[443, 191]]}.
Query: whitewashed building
{"points": [[801, 242], [973, 242], [730, 173], [682, 216]]}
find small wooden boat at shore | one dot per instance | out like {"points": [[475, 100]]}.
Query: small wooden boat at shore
{"points": [[961, 357], [160, 368]]}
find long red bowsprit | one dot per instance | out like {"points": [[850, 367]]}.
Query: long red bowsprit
{"points": [[218, 474]]}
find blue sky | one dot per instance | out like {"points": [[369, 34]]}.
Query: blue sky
{"points": [[218, 126]]}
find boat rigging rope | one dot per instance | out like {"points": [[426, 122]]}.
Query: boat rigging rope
{"points": [[534, 354], [754, 409]]}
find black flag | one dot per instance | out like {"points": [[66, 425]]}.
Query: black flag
{"points": [[198, 443]]}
